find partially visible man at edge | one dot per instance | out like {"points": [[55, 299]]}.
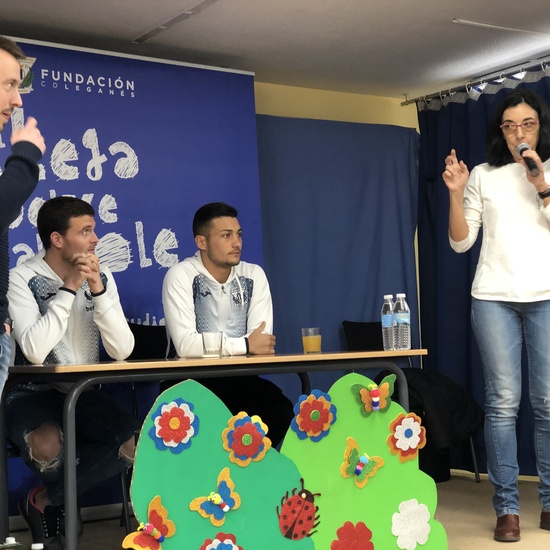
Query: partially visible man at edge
{"points": [[18, 180]]}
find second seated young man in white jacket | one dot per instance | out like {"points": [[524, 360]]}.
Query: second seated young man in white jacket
{"points": [[215, 291]]}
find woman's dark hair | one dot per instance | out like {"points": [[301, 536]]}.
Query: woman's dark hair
{"points": [[497, 151]]}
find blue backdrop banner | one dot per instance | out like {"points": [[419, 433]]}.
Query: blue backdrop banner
{"points": [[146, 143]]}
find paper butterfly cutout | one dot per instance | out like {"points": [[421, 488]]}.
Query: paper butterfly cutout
{"points": [[374, 398], [217, 504], [150, 535], [361, 467]]}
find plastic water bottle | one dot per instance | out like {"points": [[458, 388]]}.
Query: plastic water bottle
{"points": [[402, 319], [388, 330]]}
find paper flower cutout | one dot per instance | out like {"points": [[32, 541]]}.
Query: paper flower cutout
{"points": [[361, 467], [152, 534], [373, 398], [217, 504], [314, 416], [245, 439], [411, 524], [353, 537], [174, 424], [221, 542], [407, 436]]}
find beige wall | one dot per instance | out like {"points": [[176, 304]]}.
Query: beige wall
{"points": [[289, 101]]}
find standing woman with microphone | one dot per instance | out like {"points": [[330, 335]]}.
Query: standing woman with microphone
{"points": [[509, 196]]}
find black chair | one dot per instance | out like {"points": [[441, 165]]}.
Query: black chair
{"points": [[363, 336], [449, 413], [151, 341]]}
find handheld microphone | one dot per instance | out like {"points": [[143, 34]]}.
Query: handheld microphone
{"points": [[531, 164]]}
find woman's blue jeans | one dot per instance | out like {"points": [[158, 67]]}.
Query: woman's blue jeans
{"points": [[500, 328]]}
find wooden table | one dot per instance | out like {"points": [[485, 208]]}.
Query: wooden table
{"points": [[84, 376]]}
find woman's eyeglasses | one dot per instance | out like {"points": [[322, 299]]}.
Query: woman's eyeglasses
{"points": [[528, 126]]}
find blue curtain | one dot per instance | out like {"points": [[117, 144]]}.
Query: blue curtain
{"points": [[446, 277], [339, 204]]}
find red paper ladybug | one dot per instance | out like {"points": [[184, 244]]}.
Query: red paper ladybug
{"points": [[297, 517]]}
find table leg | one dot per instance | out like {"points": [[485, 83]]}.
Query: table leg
{"points": [[69, 462], [402, 386], [306, 384]]}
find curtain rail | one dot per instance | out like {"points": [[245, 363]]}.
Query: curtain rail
{"points": [[542, 62]]}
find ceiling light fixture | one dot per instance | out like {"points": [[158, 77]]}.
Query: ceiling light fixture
{"points": [[495, 27], [174, 21]]}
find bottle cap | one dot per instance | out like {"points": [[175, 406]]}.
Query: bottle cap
{"points": [[37, 546], [10, 540], [401, 295], [388, 296]]}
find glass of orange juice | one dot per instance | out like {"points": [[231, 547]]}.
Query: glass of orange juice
{"points": [[311, 339]]}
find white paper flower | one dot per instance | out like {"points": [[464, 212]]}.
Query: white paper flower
{"points": [[408, 434], [410, 525]]}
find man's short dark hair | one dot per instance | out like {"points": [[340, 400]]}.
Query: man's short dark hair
{"points": [[205, 214], [11, 47], [55, 216]]}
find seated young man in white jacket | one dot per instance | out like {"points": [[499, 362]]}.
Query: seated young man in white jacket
{"points": [[63, 303], [215, 291]]}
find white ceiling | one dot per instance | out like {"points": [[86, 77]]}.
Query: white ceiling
{"points": [[385, 47]]}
